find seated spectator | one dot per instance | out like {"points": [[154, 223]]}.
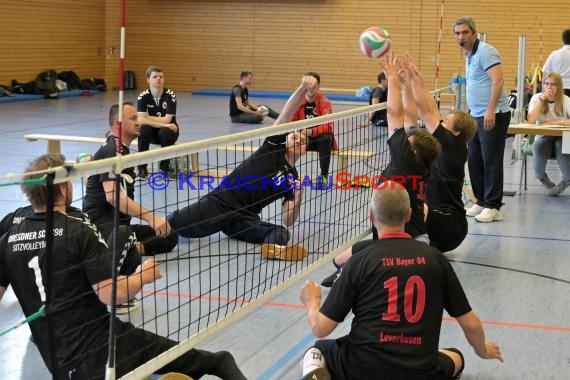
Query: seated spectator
{"points": [[550, 106]]}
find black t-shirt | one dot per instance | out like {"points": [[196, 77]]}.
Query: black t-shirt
{"points": [[261, 179], [166, 105], [95, 202], [380, 115], [239, 92], [15, 217], [310, 110], [397, 289], [80, 259], [403, 165], [445, 184], [18, 215]]}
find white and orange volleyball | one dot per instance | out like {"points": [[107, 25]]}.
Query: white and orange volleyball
{"points": [[375, 42]]}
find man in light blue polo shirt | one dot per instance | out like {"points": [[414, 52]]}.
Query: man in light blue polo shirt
{"points": [[488, 104]]}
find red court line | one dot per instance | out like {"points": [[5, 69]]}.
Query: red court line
{"points": [[298, 306]]}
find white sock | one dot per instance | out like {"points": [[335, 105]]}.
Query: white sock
{"points": [[312, 360]]}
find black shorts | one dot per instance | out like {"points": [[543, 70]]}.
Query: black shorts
{"points": [[447, 228], [334, 351]]}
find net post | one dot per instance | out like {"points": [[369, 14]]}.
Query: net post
{"points": [[110, 370], [49, 265]]}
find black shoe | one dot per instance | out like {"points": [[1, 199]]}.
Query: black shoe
{"points": [[143, 173], [328, 281]]}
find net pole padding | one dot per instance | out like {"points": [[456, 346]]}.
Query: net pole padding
{"points": [[180, 349], [77, 171]]}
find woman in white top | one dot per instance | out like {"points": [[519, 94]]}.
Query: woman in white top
{"points": [[551, 107]]}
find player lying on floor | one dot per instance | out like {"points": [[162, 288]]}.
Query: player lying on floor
{"points": [[235, 207]]}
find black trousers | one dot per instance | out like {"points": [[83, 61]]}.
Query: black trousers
{"points": [[485, 161], [207, 217], [322, 144], [127, 235], [248, 118], [136, 346], [160, 136]]}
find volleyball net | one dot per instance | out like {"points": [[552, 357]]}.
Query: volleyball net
{"points": [[211, 281]]}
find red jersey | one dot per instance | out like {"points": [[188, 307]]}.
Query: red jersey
{"points": [[321, 106]]}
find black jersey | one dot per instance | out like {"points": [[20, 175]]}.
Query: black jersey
{"points": [[166, 105], [80, 259], [15, 217], [381, 115], [239, 92], [95, 202], [404, 166], [18, 215], [397, 289], [445, 184], [261, 179]]}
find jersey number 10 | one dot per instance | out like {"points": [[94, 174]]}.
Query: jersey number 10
{"points": [[415, 289]]}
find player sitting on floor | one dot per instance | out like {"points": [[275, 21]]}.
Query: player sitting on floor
{"points": [[444, 209], [397, 290], [412, 154], [233, 208], [80, 288]]}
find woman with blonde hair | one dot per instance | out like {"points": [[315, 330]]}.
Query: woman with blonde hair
{"points": [[550, 107]]}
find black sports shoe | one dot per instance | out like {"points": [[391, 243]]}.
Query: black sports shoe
{"points": [[143, 173], [328, 281]]}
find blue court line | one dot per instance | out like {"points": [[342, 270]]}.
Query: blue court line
{"points": [[289, 355]]}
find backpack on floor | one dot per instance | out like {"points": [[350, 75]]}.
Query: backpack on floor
{"points": [[71, 78]]}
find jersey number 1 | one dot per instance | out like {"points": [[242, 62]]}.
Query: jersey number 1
{"points": [[35, 265], [415, 288]]}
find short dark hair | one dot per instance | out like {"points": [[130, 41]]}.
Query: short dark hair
{"points": [[152, 69], [381, 77], [426, 147], [37, 192], [566, 37], [114, 112], [244, 74], [314, 75]]}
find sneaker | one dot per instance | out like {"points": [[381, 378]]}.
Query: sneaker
{"points": [[143, 173], [329, 281], [362, 183], [559, 188], [318, 374], [489, 215], [128, 307], [283, 252], [324, 182], [547, 183], [174, 376], [474, 210]]}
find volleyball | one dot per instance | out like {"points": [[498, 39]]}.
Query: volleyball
{"points": [[264, 110], [375, 42]]}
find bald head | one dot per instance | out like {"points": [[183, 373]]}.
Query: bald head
{"points": [[390, 205]]}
